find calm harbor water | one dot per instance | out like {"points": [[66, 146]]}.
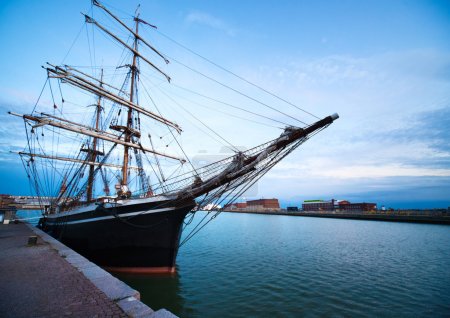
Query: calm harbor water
{"points": [[246, 265]]}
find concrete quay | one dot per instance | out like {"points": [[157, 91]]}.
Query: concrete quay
{"points": [[429, 219], [50, 280]]}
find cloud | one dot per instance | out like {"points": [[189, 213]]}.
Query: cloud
{"points": [[318, 168], [11, 132], [434, 126], [392, 133], [198, 17], [398, 192]]}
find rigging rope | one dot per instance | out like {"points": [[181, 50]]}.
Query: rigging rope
{"points": [[170, 130], [228, 104], [221, 102], [228, 114], [40, 95], [236, 91], [89, 44], [73, 43], [234, 74], [233, 148]]}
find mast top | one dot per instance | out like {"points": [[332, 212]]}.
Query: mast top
{"points": [[137, 19]]}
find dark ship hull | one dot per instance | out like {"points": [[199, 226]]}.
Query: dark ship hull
{"points": [[141, 237]]}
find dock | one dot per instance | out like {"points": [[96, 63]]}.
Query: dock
{"points": [[387, 217], [41, 277]]}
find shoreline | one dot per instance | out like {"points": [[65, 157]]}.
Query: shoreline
{"points": [[391, 217]]}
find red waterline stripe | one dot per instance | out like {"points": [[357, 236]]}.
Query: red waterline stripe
{"points": [[142, 270]]}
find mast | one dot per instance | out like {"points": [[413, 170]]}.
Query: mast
{"points": [[124, 185], [94, 152]]}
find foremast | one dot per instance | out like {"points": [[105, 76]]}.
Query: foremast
{"points": [[124, 192], [94, 151]]}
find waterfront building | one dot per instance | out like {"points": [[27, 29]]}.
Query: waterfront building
{"points": [[337, 205], [233, 206], [263, 204], [364, 206], [7, 208], [318, 205]]}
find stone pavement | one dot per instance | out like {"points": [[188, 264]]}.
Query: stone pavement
{"points": [[51, 280]]}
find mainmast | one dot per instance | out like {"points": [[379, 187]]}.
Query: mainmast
{"points": [[124, 191], [94, 152]]}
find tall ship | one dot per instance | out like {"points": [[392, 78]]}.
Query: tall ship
{"points": [[100, 155]]}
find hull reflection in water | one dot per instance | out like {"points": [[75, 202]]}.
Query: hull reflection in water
{"points": [[161, 291]]}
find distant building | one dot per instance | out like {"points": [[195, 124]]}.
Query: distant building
{"points": [[364, 206], [318, 205], [233, 206], [292, 209], [339, 202], [337, 205], [7, 208], [254, 205], [263, 204]]}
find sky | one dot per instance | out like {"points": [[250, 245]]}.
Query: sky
{"points": [[383, 66]]}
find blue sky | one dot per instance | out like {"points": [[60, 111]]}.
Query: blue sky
{"points": [[384, 66]]}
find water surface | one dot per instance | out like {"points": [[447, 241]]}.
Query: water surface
{"points": [[248, 265]]}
